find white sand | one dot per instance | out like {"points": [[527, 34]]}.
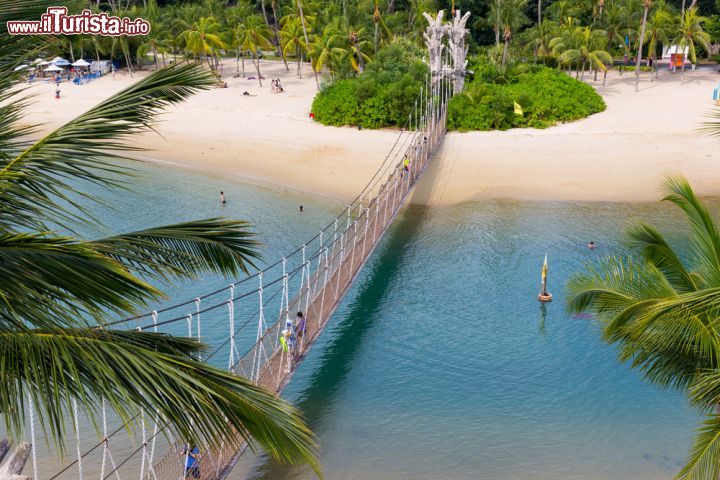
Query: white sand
{"points": [[620, 154]]}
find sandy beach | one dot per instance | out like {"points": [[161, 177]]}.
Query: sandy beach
{"points": [[617, 155]]}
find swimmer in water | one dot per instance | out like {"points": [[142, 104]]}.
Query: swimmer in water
{"points": [[302, 209], [222, 198], [591, 245]]}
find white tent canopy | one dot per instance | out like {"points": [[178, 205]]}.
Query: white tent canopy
{"points": [[43, 62], [59, 61], [81, 63], [39, 61], [53, 68]]}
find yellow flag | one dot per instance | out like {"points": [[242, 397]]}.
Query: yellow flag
{"points": [[518, 109]]}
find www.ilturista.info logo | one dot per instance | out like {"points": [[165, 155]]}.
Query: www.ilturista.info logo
{"points": [[57, 22]]}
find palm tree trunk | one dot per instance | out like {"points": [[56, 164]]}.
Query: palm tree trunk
{"points": [[376, 38], [682, 11], [505, 49], [604, 76], [640, 46], [72, 53], [582, 74], [539, 12], [256, 61], [497, 22], [155, 55], [262, 6], [307, 41], [300, 58], [277, 38], [243, 64]]}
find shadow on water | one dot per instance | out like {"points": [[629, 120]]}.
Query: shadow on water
{"points": [[338, 356]]}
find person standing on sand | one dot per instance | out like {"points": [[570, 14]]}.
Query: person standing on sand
{"points": [[222, 198]]}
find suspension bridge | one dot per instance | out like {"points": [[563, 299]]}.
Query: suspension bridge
{"points": [[260, 309]]}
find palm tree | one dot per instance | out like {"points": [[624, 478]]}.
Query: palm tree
{"points": [[280, 52], [658, 29], [512, 17], [646, 7], [292, 38], [307, 39], [202, 39], [689, 33], [59, 291], [255, 36], [583, 48], [661, 311], [326, 49], [357, 57]]}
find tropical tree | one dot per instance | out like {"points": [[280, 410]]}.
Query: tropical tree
{"points": [[356, 43], [689, 33], [660, 307], [293, 40], [584, 50], [659, 28], [307, 39], [202, 39], [646, 7], [326, 49], [255, 35], [59, 291], [512, 17]]}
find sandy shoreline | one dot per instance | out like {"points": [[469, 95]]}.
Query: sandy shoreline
{"points": [[617, 155]]}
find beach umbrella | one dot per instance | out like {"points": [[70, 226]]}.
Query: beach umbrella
{"points": [[59, 61], [81, 63], [43, 62], [38, 61], [53, 68]]}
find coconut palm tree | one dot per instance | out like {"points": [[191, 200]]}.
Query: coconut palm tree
{"points": [[326, 49], [301, 13], [203, 39], [660, 306], [356, 43], [512, 17], [659, 27], [584, 48], [276, 31], [255, 35], [293, 41], [59, 291], [689, 33], [646, 7]]}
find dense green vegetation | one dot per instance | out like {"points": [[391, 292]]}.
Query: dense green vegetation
{"points": [[546, 96], [383, 95]]}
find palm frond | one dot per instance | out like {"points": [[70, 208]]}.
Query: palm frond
{"points": [[185, 249], [60, 281], [703, 463], [705, 238], [655, 249], [133, 370]]}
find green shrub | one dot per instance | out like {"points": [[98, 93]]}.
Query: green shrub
{"points": [[546, 96], [384, 95]]}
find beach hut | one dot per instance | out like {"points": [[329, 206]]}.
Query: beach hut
{"points": [[53, 68], [81, 63], [675, 55]]}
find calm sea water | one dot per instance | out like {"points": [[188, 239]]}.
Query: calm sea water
{"points": [[441, 364]]}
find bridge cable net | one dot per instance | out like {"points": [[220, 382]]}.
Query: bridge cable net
{"points": [[312, 279]]}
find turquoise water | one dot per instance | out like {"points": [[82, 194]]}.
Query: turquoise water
{"points": [[441, 363]]}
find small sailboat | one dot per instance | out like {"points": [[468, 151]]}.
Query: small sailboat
{"points": [[544, 296]]}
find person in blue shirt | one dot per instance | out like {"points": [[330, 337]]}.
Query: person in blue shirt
{"points": [[192, 462]]}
